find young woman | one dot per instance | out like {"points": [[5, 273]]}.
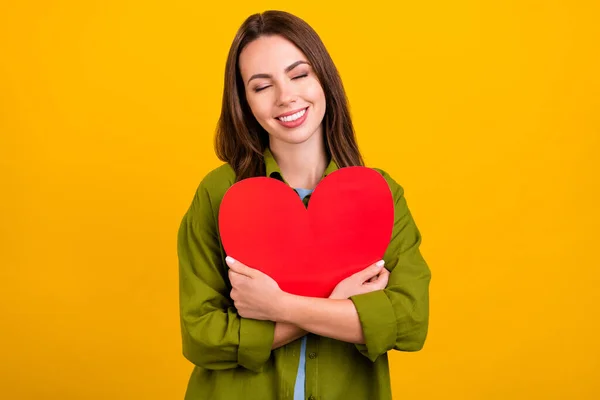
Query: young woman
{"points": [[285, 116]]}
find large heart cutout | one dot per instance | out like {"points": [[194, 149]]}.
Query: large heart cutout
{"points": [[308, 251]]}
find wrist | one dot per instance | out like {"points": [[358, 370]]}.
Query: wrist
{"points": [[283, 306], [337, 296]]}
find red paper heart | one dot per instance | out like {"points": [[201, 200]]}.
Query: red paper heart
{"points": [[308, 251]]}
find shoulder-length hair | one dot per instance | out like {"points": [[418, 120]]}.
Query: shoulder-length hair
{"points": [[240, 140]]}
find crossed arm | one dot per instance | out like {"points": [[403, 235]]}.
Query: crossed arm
{"points": [[258, 296], [220, 331]]}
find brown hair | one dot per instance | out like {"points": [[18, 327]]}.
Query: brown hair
{"points": [[240, 140]]}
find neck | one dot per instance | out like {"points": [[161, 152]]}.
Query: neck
{"points": [[302, 165]]}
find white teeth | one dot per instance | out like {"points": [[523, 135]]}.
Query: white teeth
{"points": [[292, 117]]}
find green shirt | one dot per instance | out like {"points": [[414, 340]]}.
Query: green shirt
{"points": [[232, 355]]}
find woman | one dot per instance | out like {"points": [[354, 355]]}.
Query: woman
{"points": [[285, 115]]}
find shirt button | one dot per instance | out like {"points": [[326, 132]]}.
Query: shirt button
{"points": [[312, 398], [312, 355]]}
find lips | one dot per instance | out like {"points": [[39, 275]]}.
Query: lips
{"points": [[291, 112], [294, 123]]}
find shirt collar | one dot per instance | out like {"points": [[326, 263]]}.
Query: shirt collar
{"points": [[273, 170]]}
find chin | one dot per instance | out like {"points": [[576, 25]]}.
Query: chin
{"points": [[293, 137]]}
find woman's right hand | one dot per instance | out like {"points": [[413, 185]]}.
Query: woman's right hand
{"points": [[374, 277]]}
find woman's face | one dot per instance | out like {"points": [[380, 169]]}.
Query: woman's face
{"points": [[282, 90]]}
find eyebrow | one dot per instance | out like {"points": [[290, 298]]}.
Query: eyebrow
{"points": [[287, 69]]}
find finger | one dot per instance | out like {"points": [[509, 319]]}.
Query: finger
{"points": [[232, 277], [383, 272], [371, 271], [372, 280], [381, 280], [238, 267], [236, 278]]}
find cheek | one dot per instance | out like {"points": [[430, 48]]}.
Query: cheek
{"points": [[259, 107], [315, 93]]}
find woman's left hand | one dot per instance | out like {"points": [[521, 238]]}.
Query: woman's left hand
{"points": [[254, 293]]}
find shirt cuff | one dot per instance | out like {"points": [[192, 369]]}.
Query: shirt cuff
{"points": [[378, 321], [256, 341]]}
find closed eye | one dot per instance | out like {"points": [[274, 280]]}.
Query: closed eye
{"points": [[261, 88]]}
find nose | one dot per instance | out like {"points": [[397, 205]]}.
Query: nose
{"points": [[285, 94]]}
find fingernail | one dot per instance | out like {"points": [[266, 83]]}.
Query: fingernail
{"points": [[229, 260], [380, 263]]}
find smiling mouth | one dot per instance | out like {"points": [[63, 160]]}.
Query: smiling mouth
{"points": [[293, 117]]}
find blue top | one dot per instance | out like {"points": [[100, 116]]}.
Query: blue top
{"points": [[300, 377]]}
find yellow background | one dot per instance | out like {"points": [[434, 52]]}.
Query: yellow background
{"points": [[486, 112]]}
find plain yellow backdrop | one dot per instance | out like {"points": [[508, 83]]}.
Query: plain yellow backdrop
{"points": [[487, 113]]}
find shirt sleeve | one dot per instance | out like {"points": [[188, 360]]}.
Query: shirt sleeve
{"points": [[398, 316], [214, 336]]}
